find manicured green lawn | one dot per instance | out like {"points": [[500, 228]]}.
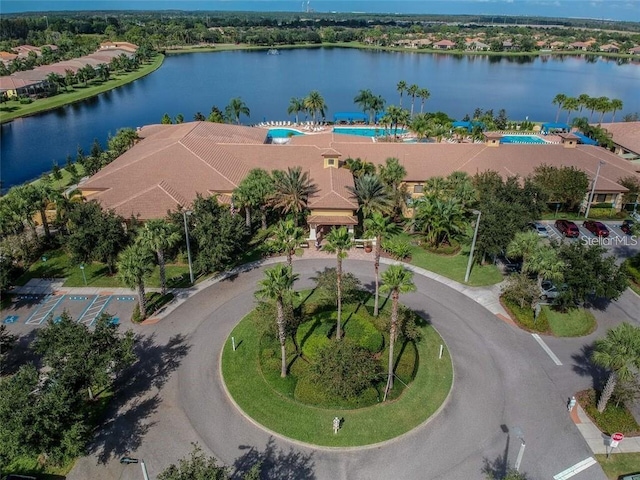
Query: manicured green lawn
{"points": [[572, 323], [248, 387], [619, 464], [455, 266], [13, 109], [615, 418]]}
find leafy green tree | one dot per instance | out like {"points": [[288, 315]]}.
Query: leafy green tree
{"points": [[134, 265], [199, 117], [440, 221], [392, 174], [158, 235], [338, 241], [277, 286], [291, 191], [570, 104], [350, 286], [199, 467], [380, 227], [123, 140], [345, 369], [236, 108], [618, 352], [166, 119], [372, 195], [615, 105], [521, 289], [286, 238], [546, 263], [524, 245], [633, 184], [7, 341], [564, 184], [216, 115], [254, 191], [396, 280]]}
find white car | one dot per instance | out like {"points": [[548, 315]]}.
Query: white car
{"points": [[539, 228]]}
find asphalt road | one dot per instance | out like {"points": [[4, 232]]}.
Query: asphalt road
{"points": [[506, 386]]}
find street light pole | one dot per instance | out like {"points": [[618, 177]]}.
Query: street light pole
{"points": [[145, 475], [84, 277], [186, 234], [520, 455], [473, 246], [593, 189]]}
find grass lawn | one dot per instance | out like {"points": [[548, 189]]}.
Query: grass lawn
{"points": [[13, 109], [454, 266], [619, 464], [635, 287], [363, 426], [572, 323], [615, 418]]}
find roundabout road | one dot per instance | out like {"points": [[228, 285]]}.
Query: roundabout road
{"points": [[502, 386]]}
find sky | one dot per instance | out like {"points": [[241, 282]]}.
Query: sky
{"points": [[599, 9]]}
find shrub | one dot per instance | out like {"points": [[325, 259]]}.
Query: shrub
{"points": [[136, 317], [632, 266], [397, 247], [326, 284], [364, 334], [25, 100], [525, 316], [613, 419], [605, 213]]}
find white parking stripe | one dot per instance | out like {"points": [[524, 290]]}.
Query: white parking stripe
{"points": [[577, 468], [546, 348]]}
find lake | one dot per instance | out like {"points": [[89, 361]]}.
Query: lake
{"points": [[524, 86]]}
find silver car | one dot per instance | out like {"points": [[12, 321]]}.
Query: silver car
{"points": [[539, 228]]}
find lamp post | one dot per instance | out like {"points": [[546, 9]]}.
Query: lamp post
{"points": [[143, 467], [186, 234], [84, 277], [593, 189], [473, 246]]}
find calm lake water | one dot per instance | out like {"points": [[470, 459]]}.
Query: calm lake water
{"points": [[189, 83]]}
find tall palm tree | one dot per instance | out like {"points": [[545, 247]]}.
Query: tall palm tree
{"points": [[277, 286], [236, 108], [524, 245], [616, 104], [296, 105], [314, 103], [546, 264], [570, 104], [286, 238], [603, 105], [397, 279], [424, 95], [401, 87], [241, 198], [392, 173], [364, 99], [372, 194], [291, 191], [583, 100], [559, 101], [592, 105], [377, 106], [339, 242], [413, 92], [158, 235], [380, 227], [253, 192], [134, 265], [619, 352]]}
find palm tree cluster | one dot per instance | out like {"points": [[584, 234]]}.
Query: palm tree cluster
{"points": [[602, 105], [313, 104], [370, 103], [413, 91]]}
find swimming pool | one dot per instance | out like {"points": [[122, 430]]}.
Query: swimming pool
{"points": [[283, 132], [521, 139], [367, 131]]}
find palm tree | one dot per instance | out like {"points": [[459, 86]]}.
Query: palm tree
{"points": [[546, 264], [615, 105], [241, 199], [159, 235], [254, 192], [286, 238], [338, 242], [619, 352], [372, 194], [583, 100], [314, 103], [397, 279], [296, 105], [440, 220], [364, 99], [570, 104], [377, 106], [380, 227], [524, 245], [292, 190], [392, 174], [591, 104], [413, 91], [277, 286], [424, 95], [559, 101], [236, 108], [401, 87], [603, 105], [135, 263]]}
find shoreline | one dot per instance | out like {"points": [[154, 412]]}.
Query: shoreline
{"points": [[156, 63]]}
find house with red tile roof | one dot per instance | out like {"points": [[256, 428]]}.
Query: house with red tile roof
{"points": [[124, 46], [625, 137], [174, 163], [635, 50], [444, 45]]}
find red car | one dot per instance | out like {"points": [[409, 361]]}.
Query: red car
{"points": [[627, 226], [599, 229], [567, 228]]}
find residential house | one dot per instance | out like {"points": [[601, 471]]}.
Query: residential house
{"points": [[444, 45], [610, 48]]}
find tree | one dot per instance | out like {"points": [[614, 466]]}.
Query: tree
{"points": [[401, 87], [397, 279], [158, 235], [440, 221], [619, 352], [277, 286], [315, 104], [216, 115], [372, 195], [134, 265], [254, 192], [412, 91], [338, 241], [566, 185], [633, 184], [570, 104], [199, 117], [286, 238], [364, 99], [521, 289], [524, 245], [359, 167], [166, 119], [615, 105], [559, 100], [392, 174], [296, 105], [291, 191], [602, 105], [7, 341], [380, 227], [424, 95], [546, 264], [236, 108], [326, 280], [198, 467]]}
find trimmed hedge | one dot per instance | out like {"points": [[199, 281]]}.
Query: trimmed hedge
{"points": [[525, 317], [613, 419]]}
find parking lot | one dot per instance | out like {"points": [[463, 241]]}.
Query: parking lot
{"points": [[618, 243], [29, 311]]}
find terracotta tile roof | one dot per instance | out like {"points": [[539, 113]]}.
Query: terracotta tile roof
{"points": [[625, 134], [332, 220], [13, 83]]}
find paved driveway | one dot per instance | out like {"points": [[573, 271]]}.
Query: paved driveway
{"points": [[505, 386]]}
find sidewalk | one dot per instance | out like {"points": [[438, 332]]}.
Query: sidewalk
{"points": [[599, 442]]}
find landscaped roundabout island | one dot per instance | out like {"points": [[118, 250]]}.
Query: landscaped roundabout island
{"points": [[328, 378]]}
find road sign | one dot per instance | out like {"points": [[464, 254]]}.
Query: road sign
{"points": [[616, 438]]}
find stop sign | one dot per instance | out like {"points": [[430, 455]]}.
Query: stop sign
{"points": [[617, 437]]}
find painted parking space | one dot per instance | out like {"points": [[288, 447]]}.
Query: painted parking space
{"points": [[94, 309], [74, 305], [121, 307], [10, 319], [44, 310]]}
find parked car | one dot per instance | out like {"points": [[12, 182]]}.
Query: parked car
{"points": [[548, 290], [599, 229], [627, 226], [633, 476], [635, 216], [539, 228], [567, 228]]}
